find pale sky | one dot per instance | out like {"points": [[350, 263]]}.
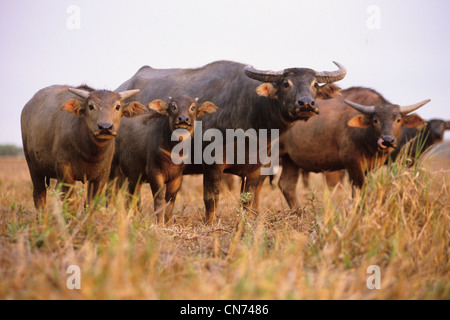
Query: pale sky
{"points": [[400, 48]]}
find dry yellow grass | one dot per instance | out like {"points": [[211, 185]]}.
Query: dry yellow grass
{"points": [[399, 222]]}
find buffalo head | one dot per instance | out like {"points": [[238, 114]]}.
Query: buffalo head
{"points": [[386, 122], [436, 128], [182, 111], [297, 88], [102, 110]]}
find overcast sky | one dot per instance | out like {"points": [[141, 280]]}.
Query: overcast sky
{"points": [[400, 48]]}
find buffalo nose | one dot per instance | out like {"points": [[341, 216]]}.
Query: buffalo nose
{"points": [[305, 102], [184, 119], [105, 126], [387, 141]]}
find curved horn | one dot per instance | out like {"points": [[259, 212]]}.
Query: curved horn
{"points": [[331, 76], [411, 108], [364, 109], [263, 76], [127, 94], [81, 93]]}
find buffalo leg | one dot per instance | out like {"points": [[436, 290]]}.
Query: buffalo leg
{"points": [[171, 194], [356, 176], [157, 186], [261, 180], [334, 177], [229, 181], [115, 182], [94, 189], [39, 190], [134, 192], [66, 184], [252, 185], [65, 180], [288, 181], [211, 190], [305, 179]]}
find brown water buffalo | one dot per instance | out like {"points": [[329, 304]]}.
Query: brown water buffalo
{"points": [[360, 95], [144, 149], [248, 99], [346, 135], [68, 133], [419, 140]]}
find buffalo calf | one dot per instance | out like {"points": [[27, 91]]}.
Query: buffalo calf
{"points": [[144, 147], [67, 134]]}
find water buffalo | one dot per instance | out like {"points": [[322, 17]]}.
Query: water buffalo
{"points": [[144, 149], [361, 95], [68, 133], [346, 135], [248, 99], [420, 140]]}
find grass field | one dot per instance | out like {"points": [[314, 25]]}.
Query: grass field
{"points": [[399, 222]]}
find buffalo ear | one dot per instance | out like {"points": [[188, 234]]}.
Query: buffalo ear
{"points": [[413, 120], [74, 107], [133, 108], [206, 107], [360, 121], [328, 91], [267, 90], [158, 106]]}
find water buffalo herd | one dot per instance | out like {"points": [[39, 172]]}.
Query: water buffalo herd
{"points": [[72, 133]]}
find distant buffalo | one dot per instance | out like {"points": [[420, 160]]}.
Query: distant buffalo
{"points": [[419, 140]]}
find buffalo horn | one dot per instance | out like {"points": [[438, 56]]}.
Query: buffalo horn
{"points": [[411, 108], [263, 76], [126, 94], [364, 109], [331, 76], [81, 93]]}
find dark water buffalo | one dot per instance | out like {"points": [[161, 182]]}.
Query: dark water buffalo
{"points": [[346, 135], [68, 133], [419, 140], [247, 99], [144, 147]]}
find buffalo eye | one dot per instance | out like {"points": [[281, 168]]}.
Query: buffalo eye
{"points": [[91, 107], [398, 120], [174, 106], [316, 85], [375, 120], [192, 108], [286, 84], [118, 107]]}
